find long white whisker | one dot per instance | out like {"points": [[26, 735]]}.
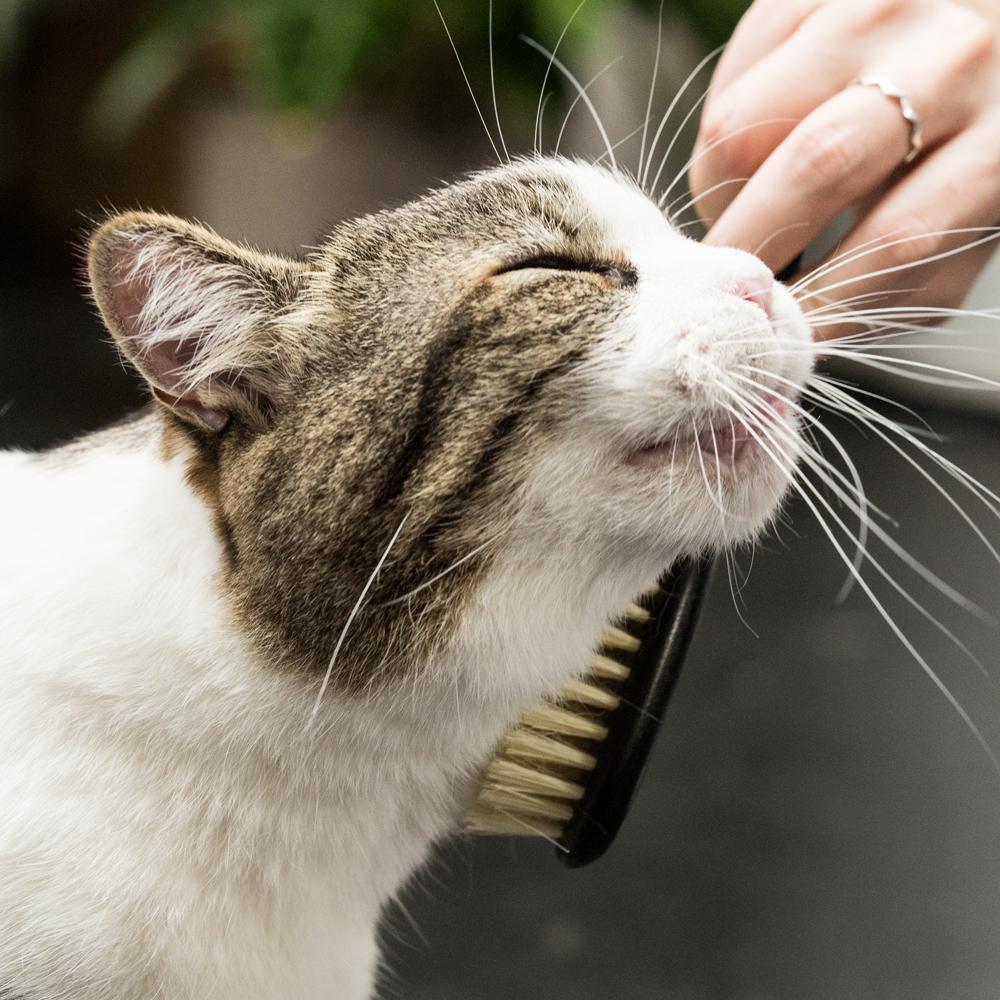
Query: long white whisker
{"points": [[351, 617], [694, 199], [576, 101], [952, 502], [541, 116], [992, 231], [670, 109], [493, 85], [778, 232], [980, 491], [705, 150], [855, 483], [620, 142], [858, 508], [670, 148], [798, 486], [887, 364], [583, 95], [472, 93], [652, 89], [545, 79], [734, 590], [838, 259], [443, 573]]}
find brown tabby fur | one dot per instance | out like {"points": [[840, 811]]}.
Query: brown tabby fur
{"points": [[400, 374]]}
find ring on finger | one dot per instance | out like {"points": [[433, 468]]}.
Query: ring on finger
{"points": [[906, 109]]}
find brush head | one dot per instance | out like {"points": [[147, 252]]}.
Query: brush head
{"points": [[568, 770]]}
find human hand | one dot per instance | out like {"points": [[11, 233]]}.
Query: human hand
{"points": [[786, 142]]}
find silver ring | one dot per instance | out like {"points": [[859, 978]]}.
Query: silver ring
{"points": [[906, 108]]}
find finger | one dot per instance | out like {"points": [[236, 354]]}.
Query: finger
{"points": [[762, 29], [831, 49], [843, 150], [913, 236], [816, 57]]}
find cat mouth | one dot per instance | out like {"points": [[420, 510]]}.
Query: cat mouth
{"points": [[725, 445]]}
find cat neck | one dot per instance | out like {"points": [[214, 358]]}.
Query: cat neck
{"points": [[121, 668]]}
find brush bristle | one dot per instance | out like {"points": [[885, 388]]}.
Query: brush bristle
{"points": [[541, 766]]}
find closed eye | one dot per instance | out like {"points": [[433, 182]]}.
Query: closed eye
{"points": [[620, 274]]}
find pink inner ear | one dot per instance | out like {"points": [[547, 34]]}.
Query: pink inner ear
{"points": [[162, 362]]}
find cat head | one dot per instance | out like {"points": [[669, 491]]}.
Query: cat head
{"points": [[528, 365]]}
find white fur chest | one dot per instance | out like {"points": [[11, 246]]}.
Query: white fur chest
{"points": [[168, 825]]}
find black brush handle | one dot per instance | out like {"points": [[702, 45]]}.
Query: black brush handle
{"points": [[633, 725]]}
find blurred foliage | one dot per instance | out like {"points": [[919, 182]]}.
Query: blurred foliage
{"points": [[304, 58]]}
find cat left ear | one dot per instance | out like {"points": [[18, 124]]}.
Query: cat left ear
{"points": [[198, 316]]}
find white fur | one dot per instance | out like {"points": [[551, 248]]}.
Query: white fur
{"points": [[213, 308], [169, 826]]}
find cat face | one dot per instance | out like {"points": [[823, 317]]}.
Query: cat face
{"points": [[531, 357]]}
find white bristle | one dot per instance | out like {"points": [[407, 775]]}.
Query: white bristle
{"points": [[527, 745], [555, 719], [531, 781], [541, 767], [590, 694], [485, 819], [508, 800], [618, 638], [607, 669]]}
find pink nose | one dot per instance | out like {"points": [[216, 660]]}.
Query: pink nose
{"points": [[757, 287]]}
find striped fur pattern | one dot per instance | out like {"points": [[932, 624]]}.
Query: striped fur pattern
{"points": [[261, 639]]}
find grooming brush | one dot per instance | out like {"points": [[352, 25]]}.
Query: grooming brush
{"points": [[569, 768]]}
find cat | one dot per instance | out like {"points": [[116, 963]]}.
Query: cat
{"points": [[260, 637]]}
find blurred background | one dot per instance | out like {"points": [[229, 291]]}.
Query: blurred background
{"points": [[817, 821]]}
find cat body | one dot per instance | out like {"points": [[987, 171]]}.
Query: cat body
{"points": [[260, 639]]}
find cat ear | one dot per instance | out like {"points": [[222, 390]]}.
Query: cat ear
{"points": [[198, 316]]}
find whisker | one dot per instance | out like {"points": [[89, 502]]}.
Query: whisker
{"points": [[993, 233], [777, 233], [670, 110], [952, 502], [692, 201], [888, 364], [443, 573], [620, 142], [472, 93], [824, 266], [980, 491], [576, 101], [738, 603], [652, 89], [493, 84], [350, 619], [858, 508], [705, 150], [545, 79], [799, 487], [583, 94]]}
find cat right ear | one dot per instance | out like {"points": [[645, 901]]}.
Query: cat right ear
{"points": [[201, 318]]}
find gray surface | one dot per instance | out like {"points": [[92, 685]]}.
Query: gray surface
{"points": [[816, 822]]}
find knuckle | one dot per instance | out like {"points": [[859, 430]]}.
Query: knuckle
{"points": [[908, 238], [717, 122], [975, 39], [722, 141], [871, 15], [823, 157]]}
